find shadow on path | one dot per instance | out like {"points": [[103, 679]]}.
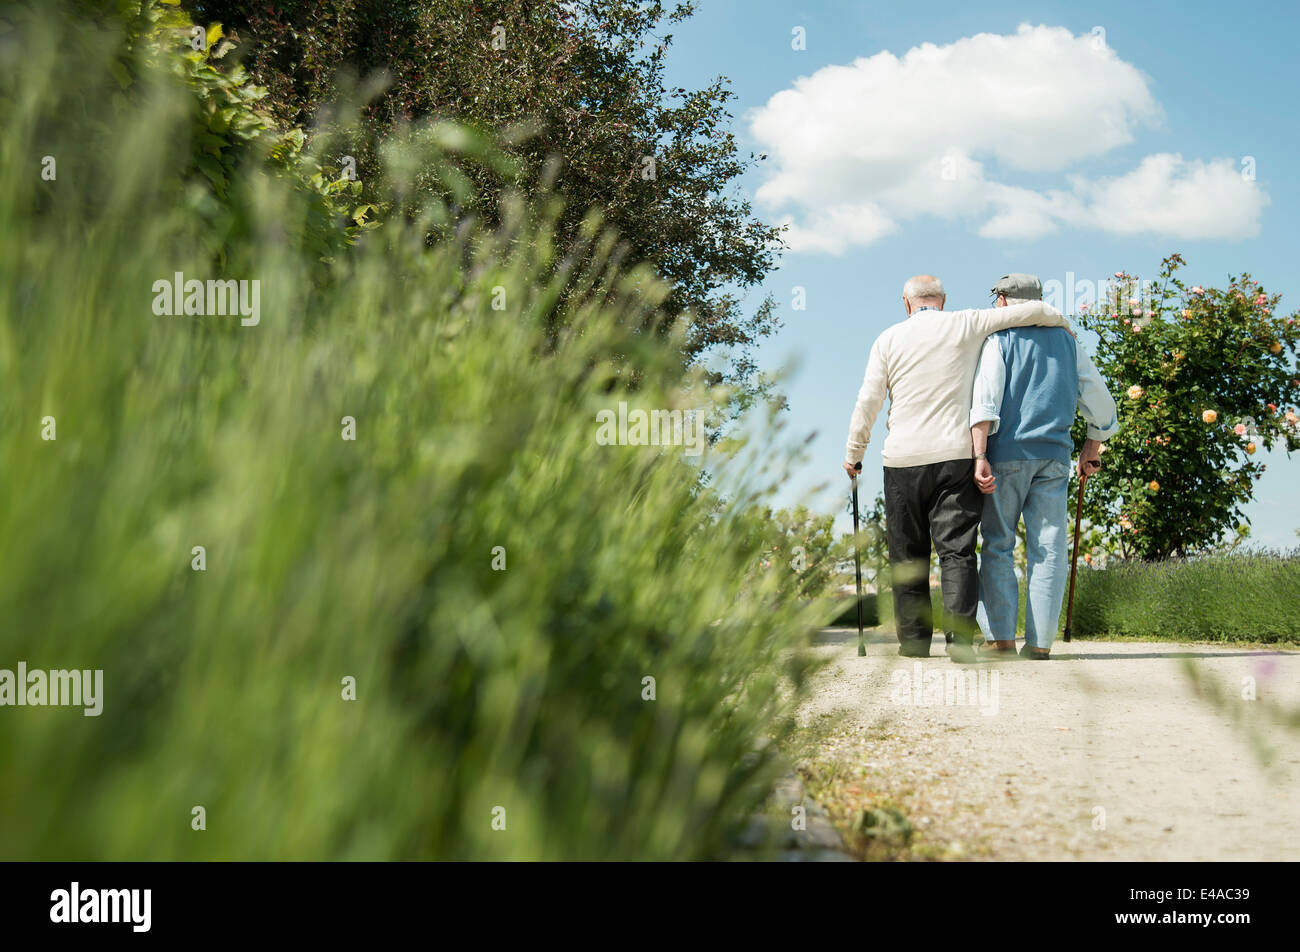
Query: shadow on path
{"points": [[1060, 651]]}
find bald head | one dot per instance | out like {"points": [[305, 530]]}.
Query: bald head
{"points": [[923, 290]]}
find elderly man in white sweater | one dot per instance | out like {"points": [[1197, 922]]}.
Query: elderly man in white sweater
{"points": [[926, 366]]}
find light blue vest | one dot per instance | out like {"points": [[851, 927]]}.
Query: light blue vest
{"points": [[1040, 397]]}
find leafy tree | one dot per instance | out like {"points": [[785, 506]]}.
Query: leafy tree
{"points": [[231, 130], [1204, 378], [582, 80]]}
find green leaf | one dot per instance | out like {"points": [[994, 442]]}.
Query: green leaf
{"points": [[213, 171]]}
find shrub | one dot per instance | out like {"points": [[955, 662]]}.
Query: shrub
{"points": [[1203, 378], [803, 542], [582, 80]]}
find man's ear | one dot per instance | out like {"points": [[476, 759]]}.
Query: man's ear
{"points": [[907, 306]]}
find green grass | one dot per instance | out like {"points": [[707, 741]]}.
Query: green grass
{"points": [[1241, 597], [477, 687]]}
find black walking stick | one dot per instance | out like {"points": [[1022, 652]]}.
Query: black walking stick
{"points": [[857, 558], [1074, 557]]}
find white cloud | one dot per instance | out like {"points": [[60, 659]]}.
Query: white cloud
{"points": [[838, 227], [858, 150], [1169, 196]]}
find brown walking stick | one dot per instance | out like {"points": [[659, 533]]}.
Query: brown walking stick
{"points": [[1074, 556]]}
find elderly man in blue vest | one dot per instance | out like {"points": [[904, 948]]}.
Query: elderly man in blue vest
{"points": [[1029, 383]]}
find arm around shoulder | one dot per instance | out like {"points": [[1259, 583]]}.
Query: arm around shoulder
{"points": [[990, 320]]}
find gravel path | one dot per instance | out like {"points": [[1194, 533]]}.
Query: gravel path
{"points": [[1105, 752]]}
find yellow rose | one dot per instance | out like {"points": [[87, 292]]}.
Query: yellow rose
{"points": [[1155, 486], [1250, 448], [1210, 416], [1135, 392], [1276, 348]]}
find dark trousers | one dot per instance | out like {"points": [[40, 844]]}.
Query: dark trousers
{"points": [[939, 502]]}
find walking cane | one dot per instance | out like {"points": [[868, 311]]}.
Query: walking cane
{"points": [[857, 558], [1074, 557]]}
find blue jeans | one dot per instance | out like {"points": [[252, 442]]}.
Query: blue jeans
{"points": [[1038, 490]]}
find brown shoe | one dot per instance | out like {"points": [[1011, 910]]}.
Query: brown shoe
{"points": [[998, 650], [1036, 654]]}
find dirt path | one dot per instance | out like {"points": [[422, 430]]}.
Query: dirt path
{"points": [[1105, 752]]}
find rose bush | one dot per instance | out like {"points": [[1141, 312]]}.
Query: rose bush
{"points": [[1202, 377]]}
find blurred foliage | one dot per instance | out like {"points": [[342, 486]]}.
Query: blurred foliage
{"points": [[1252, 707], [473, 384], [803, 542], [577, 91], [872, 551], [1203, 378], [872, 542], [1243, 596]]}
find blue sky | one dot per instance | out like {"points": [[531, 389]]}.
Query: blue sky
{"points": [[1052, 149]]}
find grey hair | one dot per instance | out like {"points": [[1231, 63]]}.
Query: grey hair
{"points": [[915, 290]]}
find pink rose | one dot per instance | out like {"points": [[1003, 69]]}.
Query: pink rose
{"points": [[1239, 429]]}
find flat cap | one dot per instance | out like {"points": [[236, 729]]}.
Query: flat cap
{"points": [[1024, 286]]}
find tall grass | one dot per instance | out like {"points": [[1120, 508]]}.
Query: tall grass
{"points": [[477, 688], [1251, 596]]}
